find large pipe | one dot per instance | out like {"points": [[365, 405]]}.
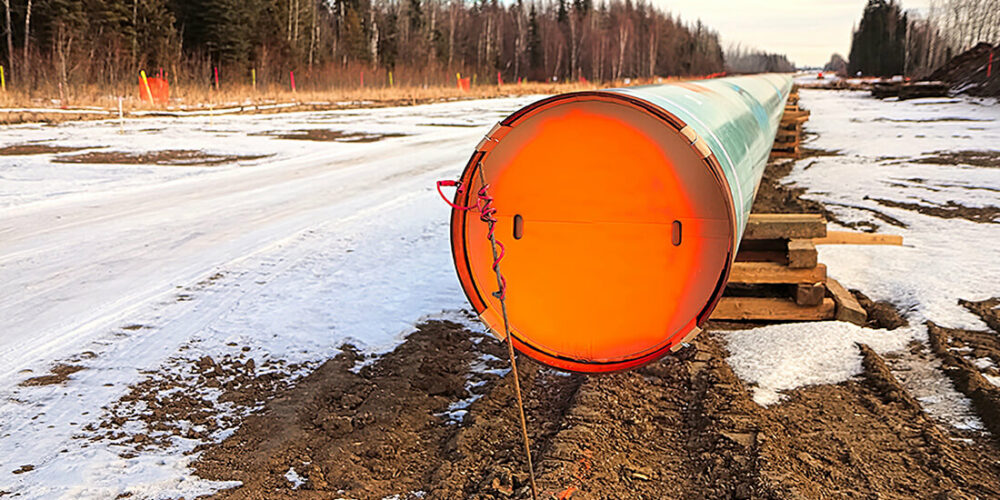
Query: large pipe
{"points": [[621, 211]]}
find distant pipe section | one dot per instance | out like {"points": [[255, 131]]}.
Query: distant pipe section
{"points": [[621, 211]]}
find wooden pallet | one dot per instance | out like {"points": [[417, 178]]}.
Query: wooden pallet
{"points": [[777, 260], [789, 136]]}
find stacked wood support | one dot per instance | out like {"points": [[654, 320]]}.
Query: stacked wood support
{"points": [[777, 276], [789, 137]]}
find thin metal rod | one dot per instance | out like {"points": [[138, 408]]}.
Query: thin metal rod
{"points": [[510, 351]]}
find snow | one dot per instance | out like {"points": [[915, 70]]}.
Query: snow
{"points": [[983, 363], [942, 260], [880, 144], [294, 478], [129, 270], [457, 410], [35, 178], [782, 357]]}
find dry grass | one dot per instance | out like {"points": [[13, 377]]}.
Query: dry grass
{"points": [[194, 97], [81, 102]]}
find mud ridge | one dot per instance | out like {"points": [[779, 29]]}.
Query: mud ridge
{"points": [[867, 438], [948, 344], [681, 427], [882, 314]]}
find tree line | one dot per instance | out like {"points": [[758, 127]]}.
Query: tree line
{"points": [[890, 41], [741, 59], [70, 42]]}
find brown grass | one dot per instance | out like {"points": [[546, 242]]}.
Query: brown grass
{"points": [[93, 103], [194, 97], [52, 104]]}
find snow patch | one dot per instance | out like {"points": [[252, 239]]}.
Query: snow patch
{"points": [[783, 357], [883, 160], [294, 478], [481, 370]]}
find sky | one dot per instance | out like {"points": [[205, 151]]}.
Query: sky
{"points": [[807, 31]]}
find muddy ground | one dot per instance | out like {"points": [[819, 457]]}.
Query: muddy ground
{"points": [[683, 427], [436, 418], [35, 149], [173, 157], [324, 135]]}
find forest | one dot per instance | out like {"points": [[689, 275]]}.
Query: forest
{"points": [[346, 42], [891, 41]]}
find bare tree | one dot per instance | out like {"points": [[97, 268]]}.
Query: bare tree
{"points": [[10, 35], [653, 45], [27, 35], [623, 35]]}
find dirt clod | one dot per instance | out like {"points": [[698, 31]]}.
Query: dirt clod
{"points": [[58, 374], [881, 314], [24, 468], [189, 403]]}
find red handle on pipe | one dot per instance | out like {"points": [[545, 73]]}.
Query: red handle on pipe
{"points": [[457, 184]]}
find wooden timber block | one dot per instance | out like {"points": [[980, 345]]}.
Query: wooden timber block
{"points": [[771, 309], [795, 133], [794, 120], [848, 308], [794, 115], [802, 254], [751, 273], [810, 294], [777, 256], [763, 251], [784, 226], [786, 139], [786, 143], [794, 154], [855, 238]]}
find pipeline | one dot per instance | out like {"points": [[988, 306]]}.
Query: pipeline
{"points": [[621, 211]]}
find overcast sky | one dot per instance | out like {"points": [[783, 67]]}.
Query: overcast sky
{"points": [[807, 31]]}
